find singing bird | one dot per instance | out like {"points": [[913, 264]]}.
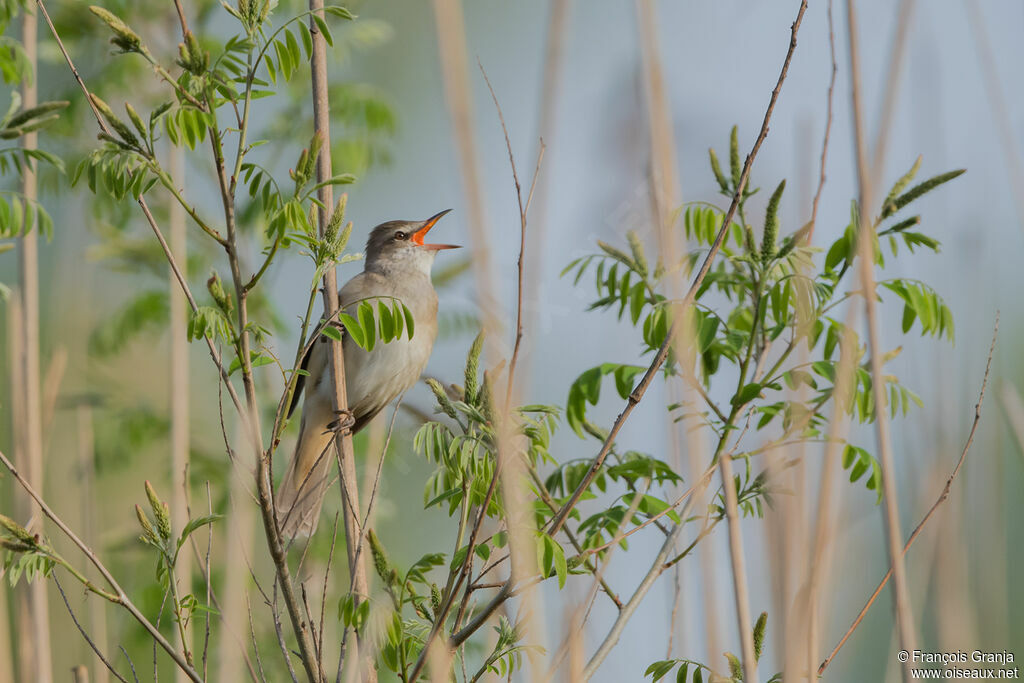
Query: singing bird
{"points": [[397, 265]]}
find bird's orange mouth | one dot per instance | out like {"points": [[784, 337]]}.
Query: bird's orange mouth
{"points": [[417, 237]]}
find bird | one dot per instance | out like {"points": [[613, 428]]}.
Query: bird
{"points": [[397, 265]]}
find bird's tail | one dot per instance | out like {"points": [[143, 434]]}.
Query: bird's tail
{"points": [[305, 483]]}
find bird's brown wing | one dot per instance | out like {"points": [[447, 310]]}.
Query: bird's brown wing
{"points": [[300, 383]]}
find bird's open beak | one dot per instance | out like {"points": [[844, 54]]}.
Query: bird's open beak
{"points": [[417, 237]]}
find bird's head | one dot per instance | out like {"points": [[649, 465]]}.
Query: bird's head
{"points": [[400, 245]]}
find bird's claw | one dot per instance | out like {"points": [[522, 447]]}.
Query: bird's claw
{"points": [[344, 422]]}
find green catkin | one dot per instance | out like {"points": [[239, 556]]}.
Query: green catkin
{"points": [[902, 183], [637, 247], [119, 126], [473, 369], [918, 190], [149, 533], [160, 511], [124, 38], [442, 398], [380, 559], [734, 157], [771, 225], [716, 168]]}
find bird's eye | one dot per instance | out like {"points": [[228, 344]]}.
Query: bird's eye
{"points": [[400, 235]]}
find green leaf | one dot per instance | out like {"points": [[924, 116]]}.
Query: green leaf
{"points": [[660, 668], [410, 324], [332, 332], [387, 322], [706, 332], [195, 524], [624, 376], [366, 321], [355, 331], [321, 26], [561, 566], [747, 394]]}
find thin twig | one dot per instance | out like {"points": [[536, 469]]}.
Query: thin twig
{"points": [[828, 124], [523, 208], [943, 495], [901, 594], [255, 645], [131, 664], [92, 645]]}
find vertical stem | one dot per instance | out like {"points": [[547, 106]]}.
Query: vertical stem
{"points": [[343, 442], [22, 599], [554, 60], [30, 358], [901, 594], [239, 546], [451, 42], [87, 483], [179, 380], [7, 655]]}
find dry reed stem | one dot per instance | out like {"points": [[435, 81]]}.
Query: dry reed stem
{"points": [[664, 189], [239, 525], [513, 477], [86, 462], [840, 426], [508, 472], [29, 267], [553, 71], [23, 504], [943, 495], [52, 381], [6, 651], [866, 184], [451, 41], [179, 368], [998, 106], [892, 89]]}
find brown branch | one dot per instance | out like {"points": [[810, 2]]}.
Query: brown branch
{"points": [[901, 594], [121, 597], [943, 495], [343, 440]]}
